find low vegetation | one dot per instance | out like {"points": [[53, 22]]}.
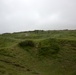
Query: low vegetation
{"points": [[39, 53]]}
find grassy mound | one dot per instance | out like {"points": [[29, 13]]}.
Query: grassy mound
{"points": [[6, 42], [48, 47]]}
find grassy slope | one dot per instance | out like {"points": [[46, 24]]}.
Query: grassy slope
{"points": [[15, 60]]}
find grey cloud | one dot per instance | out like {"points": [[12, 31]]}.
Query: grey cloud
{"points": [[18, 15]]}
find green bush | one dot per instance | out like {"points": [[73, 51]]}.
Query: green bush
{"points": [[27, 43]]}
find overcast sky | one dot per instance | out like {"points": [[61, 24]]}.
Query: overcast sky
{"points": [[23, 15]]}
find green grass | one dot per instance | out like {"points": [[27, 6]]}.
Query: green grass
{"points": [[39, 53]]}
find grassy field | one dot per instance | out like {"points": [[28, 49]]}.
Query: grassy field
{"points": [[38, 53]]}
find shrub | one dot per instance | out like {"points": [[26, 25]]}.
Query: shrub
{"points": [[27, 43]]}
